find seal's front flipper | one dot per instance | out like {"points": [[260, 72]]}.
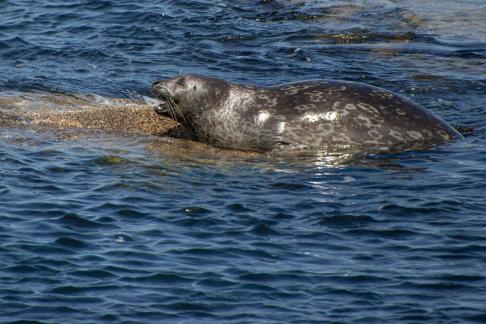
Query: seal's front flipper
{"points": [[181, 132]]}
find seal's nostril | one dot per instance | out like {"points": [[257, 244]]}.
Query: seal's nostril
{"points": [[156, 83]]}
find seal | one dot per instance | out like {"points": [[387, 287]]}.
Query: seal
{"points": [[316, 114]]}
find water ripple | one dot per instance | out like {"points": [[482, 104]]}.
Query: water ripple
{"points": [[101, 228]]}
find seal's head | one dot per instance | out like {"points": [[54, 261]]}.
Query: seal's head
{"points": [[185, 97]]}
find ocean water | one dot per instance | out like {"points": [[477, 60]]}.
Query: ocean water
{"points": [[104, 228]]}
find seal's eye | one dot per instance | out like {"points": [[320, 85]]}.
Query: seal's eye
{"points": [[194, 88]]}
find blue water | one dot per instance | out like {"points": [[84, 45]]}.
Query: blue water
{"points": [[107, 229]]}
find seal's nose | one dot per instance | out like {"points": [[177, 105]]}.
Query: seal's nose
{"points": [[155, 86]]}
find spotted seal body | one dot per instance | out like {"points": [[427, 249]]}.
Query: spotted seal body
{"points": [[311, 114]]}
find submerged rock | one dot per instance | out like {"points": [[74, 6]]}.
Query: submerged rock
{"points": [[62, 111]]}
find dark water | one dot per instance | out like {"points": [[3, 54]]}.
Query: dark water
{"points": [[101, 228]]}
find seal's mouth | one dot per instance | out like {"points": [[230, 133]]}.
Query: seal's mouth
{"points": [[163, 108], [168, 106]]}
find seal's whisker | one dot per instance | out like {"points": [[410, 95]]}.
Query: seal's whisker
{"points": [[178, 110], [173, 111], [169, 106], [168, 100], [174, 106]]}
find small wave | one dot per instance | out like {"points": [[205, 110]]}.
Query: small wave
{"points": [[70, 243], [347, 221], [76, 221]]}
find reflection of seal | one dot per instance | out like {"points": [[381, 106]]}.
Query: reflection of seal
{"points": [[312, 114]]}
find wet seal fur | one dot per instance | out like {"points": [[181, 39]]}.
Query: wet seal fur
{"points": [[317, 114]]}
